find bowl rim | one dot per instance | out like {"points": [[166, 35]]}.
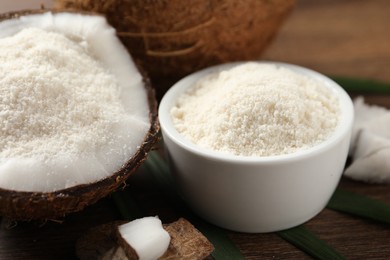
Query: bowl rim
{"points": [[342, 130]]}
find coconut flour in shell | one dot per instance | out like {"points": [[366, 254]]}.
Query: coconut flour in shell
{"points": [[256, 110], [64, 117]]}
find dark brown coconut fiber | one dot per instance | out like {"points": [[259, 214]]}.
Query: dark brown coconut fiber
{"points": [[54, 205]]}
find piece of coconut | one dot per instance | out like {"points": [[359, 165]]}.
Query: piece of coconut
{"points": [[186, 242], [99, 242], [105, 242], [73, 128], [143, 238]]}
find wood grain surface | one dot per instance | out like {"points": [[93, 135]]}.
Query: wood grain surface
{"points": [[335, 37]]}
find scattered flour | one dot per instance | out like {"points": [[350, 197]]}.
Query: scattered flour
{"points": [[256, 110], [61, 113]]}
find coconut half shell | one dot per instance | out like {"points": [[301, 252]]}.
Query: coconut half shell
{"points": [[21, 205]]}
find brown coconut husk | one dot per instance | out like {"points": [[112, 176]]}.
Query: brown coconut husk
{"points": [[19, 205], [187, 242], [172, 38]]}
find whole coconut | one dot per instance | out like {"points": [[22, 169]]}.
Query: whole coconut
{"points": [[172, 38]]}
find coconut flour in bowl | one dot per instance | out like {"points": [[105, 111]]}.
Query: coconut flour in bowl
{"points": [[257, 109]]}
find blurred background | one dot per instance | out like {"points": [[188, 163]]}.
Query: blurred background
{"points": [[335, 37], [14, 5]]}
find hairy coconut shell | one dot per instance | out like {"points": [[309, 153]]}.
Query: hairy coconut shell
{"points": [[53, 205], [172, 38]]}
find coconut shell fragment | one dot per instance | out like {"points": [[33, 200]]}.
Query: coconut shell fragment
{"points": [[172, 38], [186, 242], [102, 242], [98, 242], [28, 205]]}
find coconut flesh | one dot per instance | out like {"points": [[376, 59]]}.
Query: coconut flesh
{"points": [[146, 237], [74, 109]]}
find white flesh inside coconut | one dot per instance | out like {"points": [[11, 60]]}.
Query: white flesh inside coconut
{"points": [[146, 236], [74, 151]]}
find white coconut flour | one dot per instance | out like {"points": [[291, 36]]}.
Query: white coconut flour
{"points": [[256, 110], [63, 120]]}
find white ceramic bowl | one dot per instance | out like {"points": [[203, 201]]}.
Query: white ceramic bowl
{"points": [[261, 194]]}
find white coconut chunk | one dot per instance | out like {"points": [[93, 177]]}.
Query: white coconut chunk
{"points": [[146, 236], [83, 118]]}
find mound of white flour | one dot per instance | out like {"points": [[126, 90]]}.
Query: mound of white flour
{"points": [[66, 116], [256, 110]]}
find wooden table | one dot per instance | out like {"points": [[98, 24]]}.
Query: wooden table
{"points": [[335, 37]]}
